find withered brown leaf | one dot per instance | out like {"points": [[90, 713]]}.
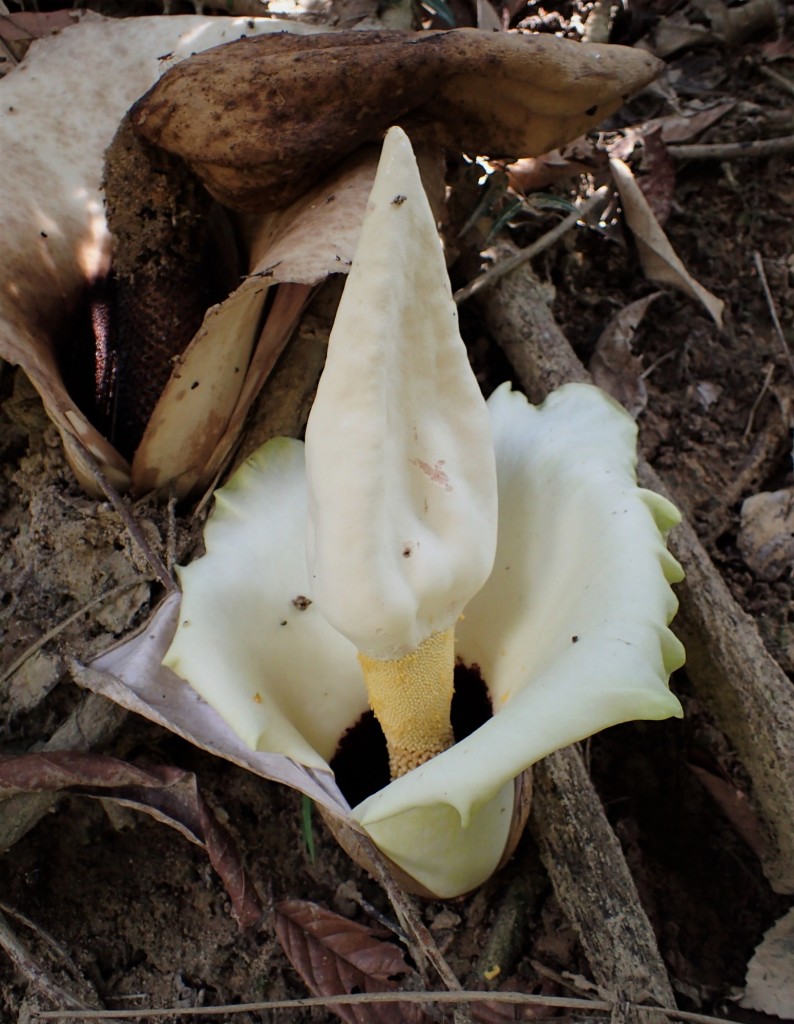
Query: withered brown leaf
{"points": [[261, 120], [168, 794], [335, 956]]}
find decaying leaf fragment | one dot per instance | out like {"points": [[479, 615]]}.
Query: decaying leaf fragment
{"points": [[770, 973], [259, 123], [614, 366]]}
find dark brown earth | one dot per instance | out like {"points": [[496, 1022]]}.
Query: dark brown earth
{"points": [[115, 905]]}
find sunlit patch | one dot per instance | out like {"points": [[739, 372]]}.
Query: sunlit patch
{"points": [[93, 251]]}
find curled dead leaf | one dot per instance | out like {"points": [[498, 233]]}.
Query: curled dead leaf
{"points": [[660, 262], [614, 366], [168, 794], [479, 92]]}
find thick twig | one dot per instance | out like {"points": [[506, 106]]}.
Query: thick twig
{"points": [[733, 150], [421, 941], [35, 973], [45, 936], [735, 676]]}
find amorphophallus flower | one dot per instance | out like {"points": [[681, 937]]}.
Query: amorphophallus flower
{"points": [[420, 528]]}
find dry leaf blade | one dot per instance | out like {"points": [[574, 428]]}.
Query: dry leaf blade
{"points": [[168, 794], [335, 956], [659, 260]]}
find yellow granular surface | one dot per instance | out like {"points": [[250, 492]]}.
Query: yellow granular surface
{"points": [[411, 698]]}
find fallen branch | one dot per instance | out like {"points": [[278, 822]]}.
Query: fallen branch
{"points": [[594, 886], [733, 150]]}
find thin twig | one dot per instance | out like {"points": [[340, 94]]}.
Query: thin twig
{"points": [[505, 266], [64, 623], [759, 266], [575, 984], [733, 150], [170, 532], [371, 998], [770, 372], [135, 532], [780, 80], [658, 362]]}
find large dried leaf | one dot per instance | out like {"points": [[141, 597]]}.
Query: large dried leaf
{"points": [[60, 109], [335, 956], [659, 260], [481, 92], [168, 794]]}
